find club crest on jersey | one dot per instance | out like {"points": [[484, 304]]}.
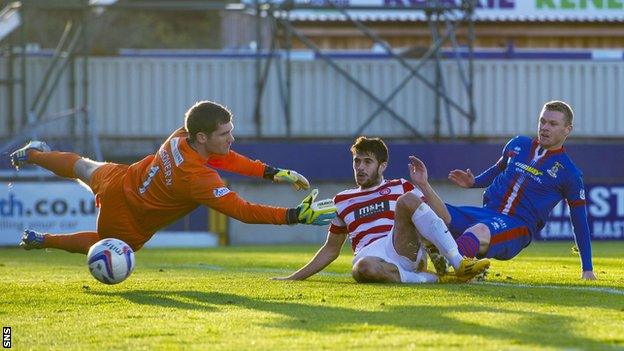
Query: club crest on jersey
{"points": [[372, 209], [554, 169], [512, 153], [219, 192], [384, 191]]}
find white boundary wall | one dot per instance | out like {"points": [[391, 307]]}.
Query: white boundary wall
{"points": [[146, 97]]}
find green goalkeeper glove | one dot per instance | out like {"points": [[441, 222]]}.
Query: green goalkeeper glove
{"points": [[287, 176], [312, 212]]}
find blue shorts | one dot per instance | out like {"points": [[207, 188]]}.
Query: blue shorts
{"points": [[508, 235]]}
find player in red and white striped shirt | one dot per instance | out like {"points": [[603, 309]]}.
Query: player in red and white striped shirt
{"points": [[386, 221]]}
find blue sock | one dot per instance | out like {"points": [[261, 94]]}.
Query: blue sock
{"points": [[468, 244]]}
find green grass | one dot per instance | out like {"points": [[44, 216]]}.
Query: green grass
{"points": [[222, 298]]}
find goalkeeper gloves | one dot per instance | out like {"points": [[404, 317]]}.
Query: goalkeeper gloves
{"points": [[312, 212], [285, 175]]}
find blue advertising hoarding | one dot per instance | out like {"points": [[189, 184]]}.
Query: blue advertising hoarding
{"points": [[605, 209]]}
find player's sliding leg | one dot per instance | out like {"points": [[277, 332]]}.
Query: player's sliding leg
{"points": [[406, 230], [475, 240], [371, 269], [411, 212], [63, 164], [77, 242], [407, 240]]}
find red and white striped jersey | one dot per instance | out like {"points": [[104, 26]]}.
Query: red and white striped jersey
{"points": [[368, 215]]}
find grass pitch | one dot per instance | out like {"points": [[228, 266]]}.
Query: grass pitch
{"points": [[222, 299]]}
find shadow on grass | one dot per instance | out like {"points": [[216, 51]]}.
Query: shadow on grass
{"points": [[520, 327], [186, 300], [557, 295]]}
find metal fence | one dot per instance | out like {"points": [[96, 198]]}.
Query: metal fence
{"points": [[147, 97]]}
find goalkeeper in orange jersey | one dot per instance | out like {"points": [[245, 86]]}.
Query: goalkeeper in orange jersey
{"points": [[137, 200]]}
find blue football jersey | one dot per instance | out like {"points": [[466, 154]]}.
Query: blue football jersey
{"points": [[528, 181], [532, 181]]}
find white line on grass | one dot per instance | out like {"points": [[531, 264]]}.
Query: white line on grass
{"points": [[611, 291], [249, 269], [558, 287]]}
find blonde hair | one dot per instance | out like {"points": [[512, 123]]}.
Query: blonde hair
{"points": [[560, 106]]}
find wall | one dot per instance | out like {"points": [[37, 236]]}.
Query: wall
{"points": [[146, 97]]}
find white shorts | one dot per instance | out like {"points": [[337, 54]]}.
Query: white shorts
{"points": [[384, 249]]}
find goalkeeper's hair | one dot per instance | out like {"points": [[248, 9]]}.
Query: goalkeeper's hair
{"points": [[374, 146], [560, 106], [205, 117]]}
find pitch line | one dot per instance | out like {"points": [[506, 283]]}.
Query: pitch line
{"points": [[611, 291], [212, 267], [558, 287]]}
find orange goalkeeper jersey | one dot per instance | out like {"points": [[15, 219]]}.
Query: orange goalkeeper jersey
{"points": [[168, 185]]}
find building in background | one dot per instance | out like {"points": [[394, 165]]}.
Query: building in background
{"points": [[498, 24]]}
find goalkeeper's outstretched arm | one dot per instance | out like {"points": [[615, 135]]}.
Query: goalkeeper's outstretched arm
{"points": [[239, 164], [279, 175], [324, 256]]}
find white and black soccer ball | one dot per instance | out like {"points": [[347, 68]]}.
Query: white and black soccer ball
{"points": [[110, 261]]}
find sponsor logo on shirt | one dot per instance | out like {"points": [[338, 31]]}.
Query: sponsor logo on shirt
{"points": [[219, 192], [582, 194], [529, 169], [372, 209]]}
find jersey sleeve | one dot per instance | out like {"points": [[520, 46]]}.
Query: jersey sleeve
{"points": [[409, 187], [338, 226], [237, 163], [574, 193], [487, 177], [211, 191]]}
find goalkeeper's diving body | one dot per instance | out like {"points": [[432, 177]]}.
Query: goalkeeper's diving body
{"points": [[137, 200], [392, 225]]}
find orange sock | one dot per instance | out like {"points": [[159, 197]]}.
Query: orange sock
{"points": [[76, 242], [61, 163]]}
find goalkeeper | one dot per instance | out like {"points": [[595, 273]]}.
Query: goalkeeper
{"points": [[137, 200]]}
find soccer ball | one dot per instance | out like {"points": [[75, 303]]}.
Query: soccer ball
{"points": [[110, 261]]}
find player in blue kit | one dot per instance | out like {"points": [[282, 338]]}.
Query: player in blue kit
{"points": [[524, 185]]}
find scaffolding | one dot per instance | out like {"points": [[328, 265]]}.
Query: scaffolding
{"points": [[443, 19], [70, 55]]}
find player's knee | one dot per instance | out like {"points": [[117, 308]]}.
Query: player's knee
{"points": [[407, 202], [481, 231], [84, 169], [367, 270]]}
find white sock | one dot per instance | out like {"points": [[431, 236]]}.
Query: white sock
{"points": [[417, 277], [432, 228]]}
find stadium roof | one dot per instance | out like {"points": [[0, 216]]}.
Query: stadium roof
{"points": [[415, 16], [486, 10]]}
